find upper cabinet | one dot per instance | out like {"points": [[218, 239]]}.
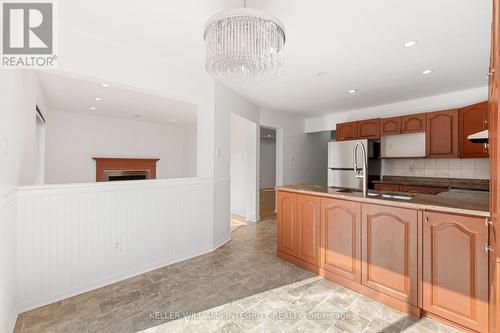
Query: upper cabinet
{"points": [[369, 129], [472, 119], [347, 131], [389, 126], [414, 123], [365, 129], [442, 134]]}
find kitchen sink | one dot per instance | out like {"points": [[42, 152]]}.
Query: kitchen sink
{"points": [[377, 194], [396, 196]]}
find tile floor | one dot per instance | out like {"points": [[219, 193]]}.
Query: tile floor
{"points": [[244, 287]]}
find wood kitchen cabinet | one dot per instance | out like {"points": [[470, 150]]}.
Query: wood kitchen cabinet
{"points": [[414, 123], [390, 251], [368, 129], [308, 223], [341, 238], [390, 126], [455, 269], [347, 131], [287, 223], [442, 134], [365, 129], [472, 119]]}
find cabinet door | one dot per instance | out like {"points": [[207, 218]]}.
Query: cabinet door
{"points": [[390, 126], [309, 224], [341, 238], [369, 129], [347, 131], [472, 119], [414, 123], [287, 223], [442, 134], [390, 251], [455, 269], [387, 187]]}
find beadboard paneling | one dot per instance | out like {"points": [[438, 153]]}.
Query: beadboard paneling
{"points": [[67, 235], [8, 270]]}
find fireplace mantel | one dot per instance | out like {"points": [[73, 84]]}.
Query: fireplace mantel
{"points": [[126, 164]]}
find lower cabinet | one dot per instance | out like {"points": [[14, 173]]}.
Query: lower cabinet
{"points": [[287, 223], [341, 238], [390, 251], [406, 258], [455, 269], [308, 224]]}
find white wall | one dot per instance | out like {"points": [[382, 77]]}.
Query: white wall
{"points": [[72, 139], [243, 167], [19, 93], [304, 156], [267, 162], [427, 104], [469, 168], [67, 233]]}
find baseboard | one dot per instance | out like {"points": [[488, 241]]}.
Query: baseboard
{"points": [[13, 324], [128, 275]]}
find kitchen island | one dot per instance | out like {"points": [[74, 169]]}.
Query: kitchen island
{"points": [[420, 254]]}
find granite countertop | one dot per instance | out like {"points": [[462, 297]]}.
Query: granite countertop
{"points": [[469, 203], [469, 184]]}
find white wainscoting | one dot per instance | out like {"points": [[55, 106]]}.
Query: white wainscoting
{"points": [[75, 238], [8, 270]]}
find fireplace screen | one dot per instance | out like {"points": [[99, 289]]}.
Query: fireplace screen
{"points": [[119, 175]]}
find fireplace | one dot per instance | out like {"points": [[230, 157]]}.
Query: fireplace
{"points": [[120, 169]]}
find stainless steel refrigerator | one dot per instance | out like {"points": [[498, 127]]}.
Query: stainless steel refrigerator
{"points": [[341, 163]]}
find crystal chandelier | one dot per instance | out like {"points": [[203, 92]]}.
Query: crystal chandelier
{"points": [[244, 45]]}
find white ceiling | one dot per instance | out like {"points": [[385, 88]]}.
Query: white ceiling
{"points": [[358, 43], [74, 94]]}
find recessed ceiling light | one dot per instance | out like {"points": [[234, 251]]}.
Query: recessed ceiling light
{"points": [[105, 85], [137, 116], [321, 73], [92, 108], [98, 98], [410, 43], [427, 71], [172, 120], [352, 91]]}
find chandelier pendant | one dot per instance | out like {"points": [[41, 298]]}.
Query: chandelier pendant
{"points": [[244, 45]]}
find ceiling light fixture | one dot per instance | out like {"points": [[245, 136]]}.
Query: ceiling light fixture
{"points": [[92, 108], [427, 71], [172, 120], [352, 91], [98, 98], [244, 45], [105, 85], [410, 43]]}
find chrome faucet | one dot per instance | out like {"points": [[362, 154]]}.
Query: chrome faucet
{"points": [[364, 168]]}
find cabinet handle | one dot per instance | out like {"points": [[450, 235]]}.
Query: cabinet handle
{"points": [[491, 72], [426, 219]]}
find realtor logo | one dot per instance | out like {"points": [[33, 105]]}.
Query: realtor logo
{"points": [[28, 34]]}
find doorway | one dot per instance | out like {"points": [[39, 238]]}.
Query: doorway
{"points": [[267, 171]]}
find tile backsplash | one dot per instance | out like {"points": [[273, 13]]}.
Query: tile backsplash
{"points": [[471, 168]]}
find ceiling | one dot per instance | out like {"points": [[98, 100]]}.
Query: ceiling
{"points": [[358, 44], [74, 94]]}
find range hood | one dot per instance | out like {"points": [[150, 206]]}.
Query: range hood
{"points": [[479, 137]]}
